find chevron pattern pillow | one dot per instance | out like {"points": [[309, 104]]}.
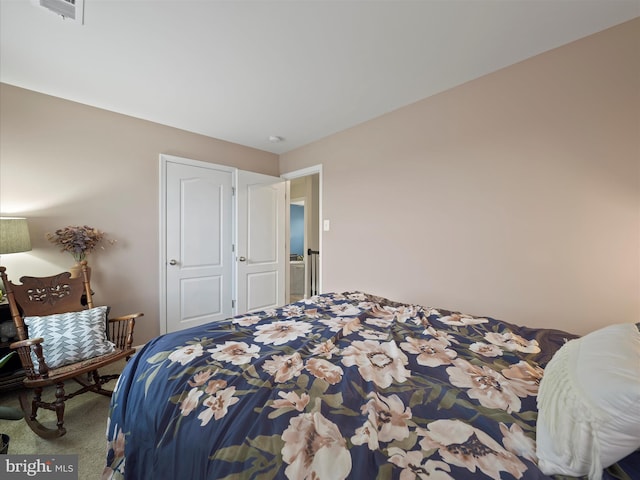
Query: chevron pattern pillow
{"points": [[71, 337]]}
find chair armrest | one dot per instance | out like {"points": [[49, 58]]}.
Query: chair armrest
{"points": [[24, 352], [26, 343], [121, 330], [124, 318]]}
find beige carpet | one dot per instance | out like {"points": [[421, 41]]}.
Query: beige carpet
{"points": [[85, 419]]}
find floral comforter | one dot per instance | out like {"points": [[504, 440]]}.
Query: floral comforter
{"points": [[337, 386]]}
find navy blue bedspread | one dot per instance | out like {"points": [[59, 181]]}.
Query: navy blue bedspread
{"points": [[336, 386]]}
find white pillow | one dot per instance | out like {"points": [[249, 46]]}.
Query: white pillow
{"points": [[589, 403], [71, 337]]}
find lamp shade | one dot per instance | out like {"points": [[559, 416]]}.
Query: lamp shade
{"points": [[14, 235]]}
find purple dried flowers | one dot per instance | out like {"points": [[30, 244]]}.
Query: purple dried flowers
{"points": [[78, 241]]}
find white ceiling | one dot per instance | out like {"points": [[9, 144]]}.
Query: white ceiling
{"points": [[245, 70]]}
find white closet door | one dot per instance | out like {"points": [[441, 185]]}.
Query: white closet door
{"points": [[261, 243], [199, 234]]}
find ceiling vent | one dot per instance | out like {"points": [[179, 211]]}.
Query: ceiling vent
{"points": [[71, 9]]}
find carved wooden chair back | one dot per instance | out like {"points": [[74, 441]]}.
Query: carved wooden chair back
{"points": [[40, 296]]}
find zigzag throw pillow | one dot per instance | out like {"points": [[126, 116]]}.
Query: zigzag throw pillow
{"points": [[71, 337]]}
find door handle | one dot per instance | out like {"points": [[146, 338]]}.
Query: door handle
{"points": [[173, 262], [243, 259]]}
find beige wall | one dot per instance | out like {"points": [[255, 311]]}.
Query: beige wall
{"points": [[62, 163], [516, 195]]}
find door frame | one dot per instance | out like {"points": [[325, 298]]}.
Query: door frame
{"points": [[162, 231], [305, 172]]}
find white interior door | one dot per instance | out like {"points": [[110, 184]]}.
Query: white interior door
{"points": [[261, 242], [199, 234]]}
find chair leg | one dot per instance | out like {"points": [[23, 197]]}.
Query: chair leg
{"points": [[30, 409], [59, 404], [99, 380], [35, 403]]}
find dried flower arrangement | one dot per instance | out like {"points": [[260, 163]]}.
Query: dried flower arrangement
{"points": [[78, 241]]}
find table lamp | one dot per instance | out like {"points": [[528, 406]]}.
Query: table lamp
{"points": [[14, 235], [14, 238]]}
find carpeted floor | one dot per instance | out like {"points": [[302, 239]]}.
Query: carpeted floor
{"points": [[85, 419]]}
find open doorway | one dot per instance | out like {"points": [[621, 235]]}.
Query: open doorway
{"points": [[304, 272], [298, 237]]}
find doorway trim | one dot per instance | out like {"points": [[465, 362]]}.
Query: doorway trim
{"points": [[305, 172]]}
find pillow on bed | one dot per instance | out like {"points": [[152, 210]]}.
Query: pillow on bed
{"points": [[71, 337], [589, 403]]}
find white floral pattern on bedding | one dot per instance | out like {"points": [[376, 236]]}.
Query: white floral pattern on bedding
{"points": [[338, 386]]}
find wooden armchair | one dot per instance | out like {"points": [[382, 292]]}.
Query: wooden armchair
{"points": [[67, 341]]}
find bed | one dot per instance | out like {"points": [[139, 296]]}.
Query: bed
{"points": [[338, 386]]}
